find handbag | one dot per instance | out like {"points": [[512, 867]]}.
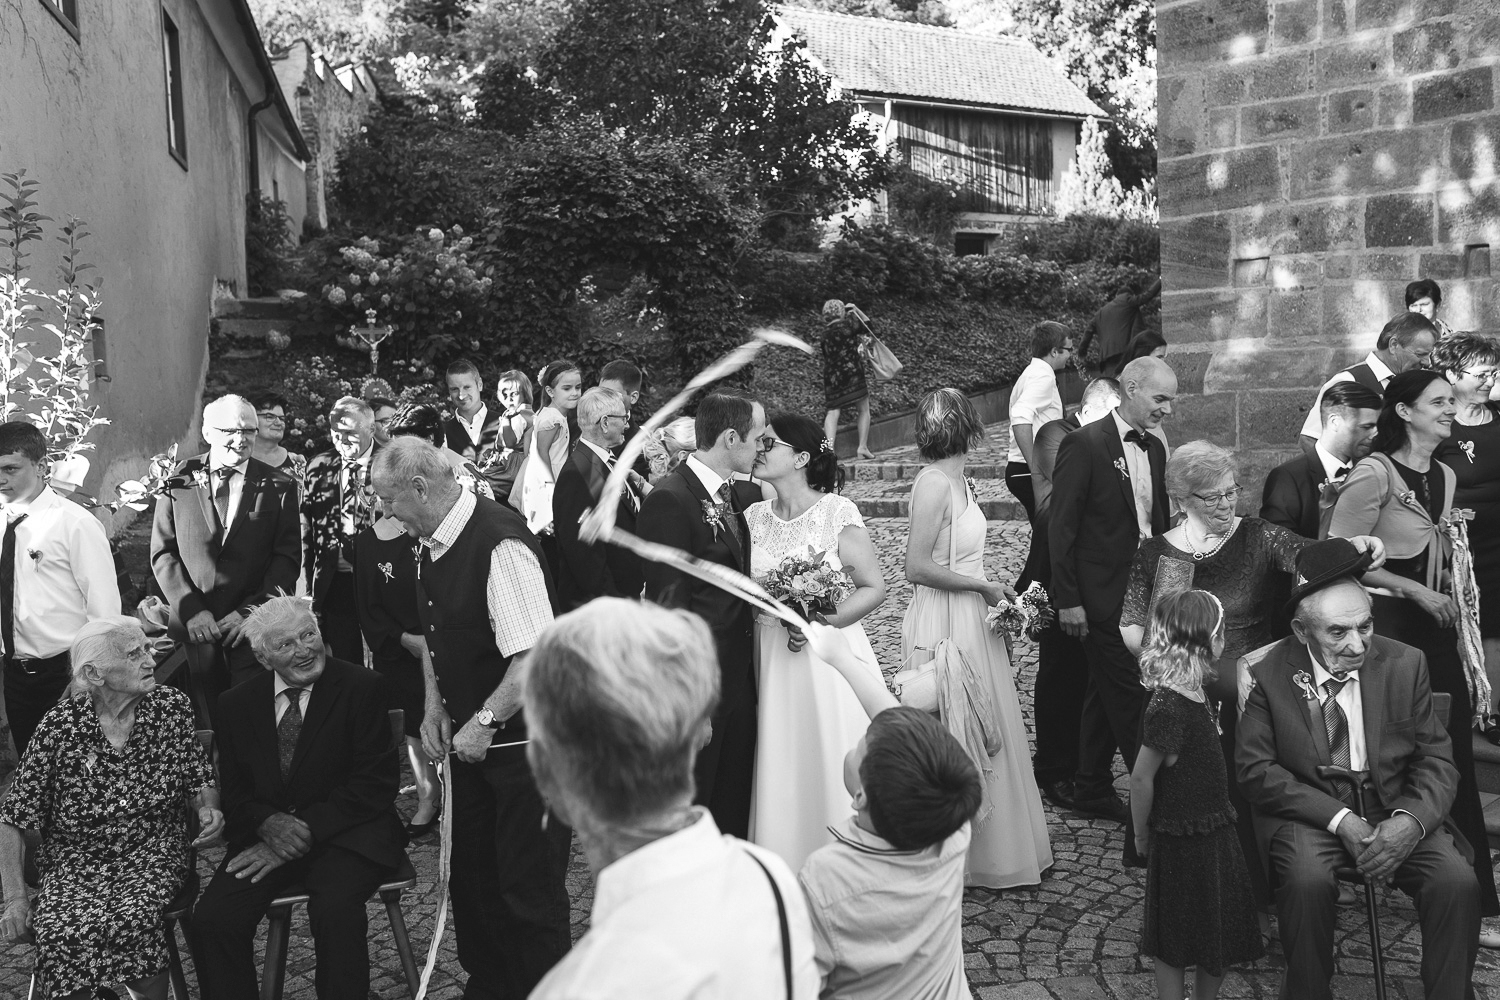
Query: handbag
{"points": [[883, 361]]}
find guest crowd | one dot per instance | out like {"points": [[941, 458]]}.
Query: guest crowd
{"points": [[764, 814]]}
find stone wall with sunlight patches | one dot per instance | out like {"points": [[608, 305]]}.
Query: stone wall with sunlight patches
{"points": [[1317, 155]]}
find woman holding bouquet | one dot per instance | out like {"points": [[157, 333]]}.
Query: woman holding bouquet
{"points": [[808, 716], [945, 563]]}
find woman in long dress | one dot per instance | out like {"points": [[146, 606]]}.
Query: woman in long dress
{"points": [[809, 717], [945, 564]]}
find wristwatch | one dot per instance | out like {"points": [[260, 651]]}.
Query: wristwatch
{"points": [[486, 718]]}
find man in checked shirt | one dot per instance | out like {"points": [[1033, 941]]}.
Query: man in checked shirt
{"points": [[483, 594]]}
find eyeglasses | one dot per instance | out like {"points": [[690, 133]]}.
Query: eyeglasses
{"points": [[622, 417], [1229, 496], [236, 431], [766, 444], [272, 418], [1487, 375]]}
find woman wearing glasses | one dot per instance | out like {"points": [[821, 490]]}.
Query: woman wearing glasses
{"points": [[1469, 363], [270, 414], [1404, 495]]}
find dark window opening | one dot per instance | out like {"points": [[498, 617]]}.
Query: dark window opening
{"points": [[968, 245], [176, 121]]}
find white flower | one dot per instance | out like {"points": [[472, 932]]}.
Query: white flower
{"points": [[337, 295], [435, 235]]}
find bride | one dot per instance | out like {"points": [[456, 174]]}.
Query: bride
{"points": [[808, 716]]}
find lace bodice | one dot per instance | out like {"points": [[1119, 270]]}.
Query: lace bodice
{"points": [[772, 539]]}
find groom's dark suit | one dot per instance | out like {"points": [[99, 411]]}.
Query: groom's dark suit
{"points": [[1280, 742], [673, 514], [1093, 532], [1290, 498]]}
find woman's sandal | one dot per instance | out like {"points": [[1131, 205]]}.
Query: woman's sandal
{"points": [[1489, 938]]}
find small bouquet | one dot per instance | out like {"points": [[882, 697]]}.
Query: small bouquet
{"points": [[1030, 613], [809, 583]]}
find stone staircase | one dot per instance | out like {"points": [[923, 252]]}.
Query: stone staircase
{"points": [[881, 487]]}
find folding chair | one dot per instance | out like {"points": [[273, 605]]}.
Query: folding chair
{"points": [[279, 915]]}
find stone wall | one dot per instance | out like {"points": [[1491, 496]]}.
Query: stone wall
{"points": [[330, 102], [1316, 155]]}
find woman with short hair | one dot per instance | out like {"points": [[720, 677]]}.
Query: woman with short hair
{"points": [[952, 595], [1425, 297], [618, 697], [271, 414], [106, 783]]}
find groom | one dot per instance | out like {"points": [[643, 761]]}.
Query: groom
{"points": [[695, 508]]}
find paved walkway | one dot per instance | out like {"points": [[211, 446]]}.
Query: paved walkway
{"points": [[1071, 938]]}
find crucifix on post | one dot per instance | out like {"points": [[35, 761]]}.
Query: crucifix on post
{"points": [[372, 335]]}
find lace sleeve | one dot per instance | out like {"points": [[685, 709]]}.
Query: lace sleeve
{"points": [[1281, 546], [845, 513], [1138, 591], [1164, 723]]}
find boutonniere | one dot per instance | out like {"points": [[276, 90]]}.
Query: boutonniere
{"points": [[90, 761], [387, 570], [200, 479], [35, 554], [1305, 683], [1467, 447], [714, 514], [972, 485], [1123, 469], [1409, 497]]}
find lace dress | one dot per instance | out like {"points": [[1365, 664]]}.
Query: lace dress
{"points": [[808, 718]]}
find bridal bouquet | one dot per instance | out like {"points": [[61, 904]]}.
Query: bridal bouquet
{"points": [[1030, 613], [809, 583]]}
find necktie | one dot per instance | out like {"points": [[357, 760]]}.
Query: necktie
{"points": [[8, 587], [221, 495], [350, 504], [289, 728], [731, 520], [1136, 438], [1337, 724]]}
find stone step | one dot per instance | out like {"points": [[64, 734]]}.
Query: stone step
{"points": [[871, 470], [240, 328], [283, 307], [886, 506]]}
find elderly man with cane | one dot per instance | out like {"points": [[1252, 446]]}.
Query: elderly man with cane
{"points": [[484, 596]]}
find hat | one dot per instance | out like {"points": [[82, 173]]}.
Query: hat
{"points": [[1323, 564]]}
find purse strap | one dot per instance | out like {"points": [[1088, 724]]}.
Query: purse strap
{"points": [[786, 931]]}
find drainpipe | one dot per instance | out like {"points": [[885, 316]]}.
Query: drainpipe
{"points": [[254, 141]]}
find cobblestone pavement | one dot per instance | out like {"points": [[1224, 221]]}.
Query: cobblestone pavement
{"points": [[1074, 937]]}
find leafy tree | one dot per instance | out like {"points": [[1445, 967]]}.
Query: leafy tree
{"points": [[1090, 189], [344, 29], [509, 100], [918, 11]]}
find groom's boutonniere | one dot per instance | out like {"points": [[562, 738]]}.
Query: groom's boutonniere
{"points": [[1305, 682], [714, 514], [1123, 469]]}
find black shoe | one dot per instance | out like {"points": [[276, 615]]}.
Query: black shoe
{"points": [[1059, 793], [415, 830], [1108, 807]]}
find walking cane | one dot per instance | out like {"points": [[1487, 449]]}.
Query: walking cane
{"points": [[1356, 780]]}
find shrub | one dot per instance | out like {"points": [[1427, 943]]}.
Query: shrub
{"points": [[923, 205], [869, 261], [1081, 239], [775, 280], [268, 241]]}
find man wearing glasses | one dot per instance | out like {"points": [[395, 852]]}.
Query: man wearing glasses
{"points": [[226, 537], [1405, 342], [586, 571]]}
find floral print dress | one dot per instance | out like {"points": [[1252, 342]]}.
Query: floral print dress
{"points": [[114, 832]]}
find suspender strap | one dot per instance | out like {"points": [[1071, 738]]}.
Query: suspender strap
{"points": [[786, 931]]}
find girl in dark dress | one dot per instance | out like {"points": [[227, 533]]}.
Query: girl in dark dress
{"points": [[1200, 910], [1469, 363], [844, 373], [1401, 494]]}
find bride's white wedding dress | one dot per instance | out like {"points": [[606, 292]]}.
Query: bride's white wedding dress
{"points": [[808, 717]]}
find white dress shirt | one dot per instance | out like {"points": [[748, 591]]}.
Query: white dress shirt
{"points": [[688, 916], [65, 575], [515, 591], [475, 426], [236, 490], [282, 704], [1331, 465], [711, 480], [1138, 463], [604, 456], [1034, 401], [1313, 425]]}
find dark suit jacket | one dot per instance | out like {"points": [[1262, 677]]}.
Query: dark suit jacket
{"points": [[344, 776], [1291, 495], [1044, 459], [1114, 324], [322, 532], [259, 554], [1091, 527], [458, 439], [585, 571], [1281, 739]]}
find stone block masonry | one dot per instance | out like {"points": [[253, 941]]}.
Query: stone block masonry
{"points": [[1317, 155]]}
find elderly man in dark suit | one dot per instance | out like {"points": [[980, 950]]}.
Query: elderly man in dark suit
{"points": [[1337, 694], [1349, 413], [696, 508], [585, 571], [1108, 492], [309, 779], [224, 539]]}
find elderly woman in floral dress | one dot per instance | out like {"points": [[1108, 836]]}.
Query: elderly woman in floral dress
{"points": [[106, 782]]}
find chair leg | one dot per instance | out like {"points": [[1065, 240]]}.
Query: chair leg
{"points": [[186, 923], [31, 990], [392, 902], [278, 936], [174, 963], [1372, 913]]}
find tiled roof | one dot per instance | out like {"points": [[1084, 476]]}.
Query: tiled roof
{"points": [[874, 56]]}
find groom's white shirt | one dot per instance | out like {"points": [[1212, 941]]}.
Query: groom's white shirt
{"points": [[710, 479]]}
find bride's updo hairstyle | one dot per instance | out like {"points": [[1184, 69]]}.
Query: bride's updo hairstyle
{"points": [[823, 472]]}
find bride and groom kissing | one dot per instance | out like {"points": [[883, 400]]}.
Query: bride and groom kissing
{"points": [[772, 771]]}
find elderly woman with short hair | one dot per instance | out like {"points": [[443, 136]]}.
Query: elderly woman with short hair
{"points": [[106, 783], [618, 696]]}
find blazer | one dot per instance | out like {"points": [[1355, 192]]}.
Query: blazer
{"points": [[1281, 739], [323, 539], [585, 571], [344, 775], [259, 555], [458, 439], [673, 514], [1290, 498], [1369, 503], [1044, 459], [1091, 527]]}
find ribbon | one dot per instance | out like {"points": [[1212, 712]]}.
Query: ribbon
{"points": [[1466, 596], [445, 861]]}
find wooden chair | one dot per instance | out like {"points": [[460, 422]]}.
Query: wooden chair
{"points": [[279, 915]]}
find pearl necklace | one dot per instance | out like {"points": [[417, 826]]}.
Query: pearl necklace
{"points": [[1200, 556]]}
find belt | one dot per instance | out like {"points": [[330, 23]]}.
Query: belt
{"points": [[36, 666]]}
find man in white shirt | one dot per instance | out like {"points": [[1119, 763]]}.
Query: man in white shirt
{"points": [[472, 428], [56, 575], [1034, 402], [1312, 699], [1405, 342]]}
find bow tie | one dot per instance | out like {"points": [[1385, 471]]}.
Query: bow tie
{"points": [[1341, 472], [1137, 438]]}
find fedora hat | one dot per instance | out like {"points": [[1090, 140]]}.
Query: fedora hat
{"points": [[1324, 563]]}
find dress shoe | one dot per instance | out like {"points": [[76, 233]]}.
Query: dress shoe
{"points": [[1059, 793], [1107, 807]]}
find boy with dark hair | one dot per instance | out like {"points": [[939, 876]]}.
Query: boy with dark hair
{"points": [[886, 897], [625, 378]]}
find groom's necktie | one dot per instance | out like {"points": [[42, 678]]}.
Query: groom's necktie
{"points": [[732, 521]]}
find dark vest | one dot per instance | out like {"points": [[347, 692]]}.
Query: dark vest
{"points": [[456, 616], [1365, 376]]}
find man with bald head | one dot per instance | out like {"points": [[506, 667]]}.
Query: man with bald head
{"points": [[1335, 693], [1108, 493], [225, 538]]}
